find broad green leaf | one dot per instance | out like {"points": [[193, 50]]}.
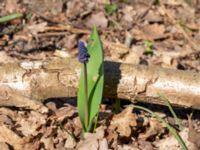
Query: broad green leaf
{"points": [[95, 80]]}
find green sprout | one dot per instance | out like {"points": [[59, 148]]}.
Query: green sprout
{"points": [[110, 8], [148, 47], [91, 80]]}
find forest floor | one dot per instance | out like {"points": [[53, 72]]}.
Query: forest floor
{"points": [[165, 33]]}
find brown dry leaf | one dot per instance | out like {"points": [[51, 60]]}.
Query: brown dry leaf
{"points": [[51, 106], [32, 146], [149, 32], [8, 112], [4, 119], [124, 121], [170, 143], [92, 141], [77, 126], [4, 146], [134, 55], [10, 137], [35, 28], [66, 138], [193, 135], [117, 50], [70, 142], [153, 17], [70, 41], [127, 147], [98, 19], [128, 13], [11, 6], [29, 124], [145, 145], [156, 127], [64, 112], [48, 142], [112, 137], [6, 59], [41, 6]]}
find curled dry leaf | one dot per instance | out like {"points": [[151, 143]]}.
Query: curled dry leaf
{"points": [[10, 137], [94, 20], [4, 146], [64, 112], [35, 28], [193, 135], [149, 32], [127, 147], [30, 124], [123, 122], [5, 119], [155, 129], [172, 144], [94, 141], [146, 145], [48, 142]]}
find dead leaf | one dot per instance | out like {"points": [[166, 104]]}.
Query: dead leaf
{"points": [[153, 17], [170, 143], [42, 6], [124, 121], [48, 142], [51, 106], [145, 145], [127, 147], [149, 32], [4, 119], [70, 142], [35, 28], [134, 55], [193, 135], [92, 141], [156, 128], [10, 137], [29, 124], [4, 146], [11, 6], [64, 112], [98, 19]]}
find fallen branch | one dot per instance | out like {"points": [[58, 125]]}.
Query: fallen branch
{"points": [[39, 80]]}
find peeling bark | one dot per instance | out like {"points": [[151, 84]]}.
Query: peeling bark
{"points": [[39, 80]]}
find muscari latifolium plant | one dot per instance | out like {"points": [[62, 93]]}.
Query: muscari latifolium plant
{"points": [[91, 80]]}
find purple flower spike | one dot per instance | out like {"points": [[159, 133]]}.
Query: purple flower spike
{"points": [[82, 53]]}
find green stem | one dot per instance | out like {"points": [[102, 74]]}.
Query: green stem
{"points": [[86, 96]]}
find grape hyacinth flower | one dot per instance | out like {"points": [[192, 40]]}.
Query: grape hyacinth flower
{"points": [[83, 57], [82, 53]]}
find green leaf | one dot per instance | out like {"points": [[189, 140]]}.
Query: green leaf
{"points": [[10, 17], [95, 80]]}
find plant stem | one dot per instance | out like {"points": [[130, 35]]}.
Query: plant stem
{"points": [[86, 96]]}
